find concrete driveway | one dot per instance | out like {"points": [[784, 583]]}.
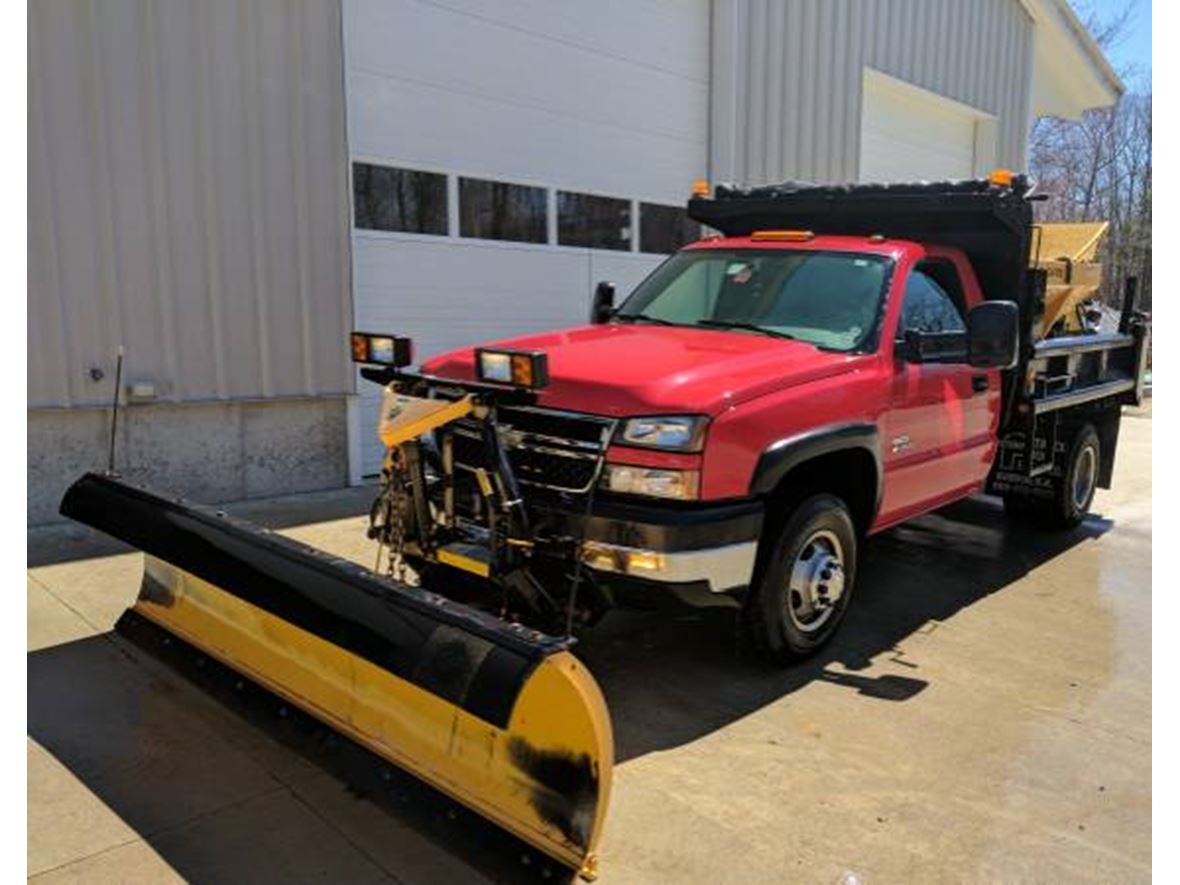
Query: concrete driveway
{"points": [[985, 714]]}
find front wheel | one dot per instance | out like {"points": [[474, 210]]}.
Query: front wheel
{"points": [[805, 582]]}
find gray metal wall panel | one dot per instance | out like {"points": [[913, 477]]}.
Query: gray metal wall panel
{"points": [[187, 198], [792, 107]]}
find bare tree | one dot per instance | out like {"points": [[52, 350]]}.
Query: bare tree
{"points": [[1099, 168]]}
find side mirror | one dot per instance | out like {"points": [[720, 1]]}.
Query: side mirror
{"points": [[604, 303], [993, 335]]}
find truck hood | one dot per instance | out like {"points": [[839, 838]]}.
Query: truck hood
{"points": [[633, 369]]}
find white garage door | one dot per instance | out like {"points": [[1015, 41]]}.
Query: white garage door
{"points": [[910, 134], [609, 101]]}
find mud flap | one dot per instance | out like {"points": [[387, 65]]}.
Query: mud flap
{"points": [[503, 718]]}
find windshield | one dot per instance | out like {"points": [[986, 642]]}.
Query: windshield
{"points": [[830, 299]]}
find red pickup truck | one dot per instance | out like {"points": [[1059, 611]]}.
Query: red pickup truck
{"points": [[839, 360]]}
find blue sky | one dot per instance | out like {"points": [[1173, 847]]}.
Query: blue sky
{"points": [[1131, 55]]}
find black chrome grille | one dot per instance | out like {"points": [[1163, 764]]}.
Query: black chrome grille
{"points": [[567, 426], [554, 471], [555, 450]]}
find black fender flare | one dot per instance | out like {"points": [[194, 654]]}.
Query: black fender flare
{"points": [[784, 455]]}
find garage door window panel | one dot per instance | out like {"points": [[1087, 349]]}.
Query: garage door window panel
{"points": [[665, 229], [593, 221], [496, 210], [401, 200]]}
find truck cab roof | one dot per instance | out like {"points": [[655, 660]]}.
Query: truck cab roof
{"points": [[874, 244]]}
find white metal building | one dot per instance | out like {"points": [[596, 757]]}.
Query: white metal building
{"points": [[225, 188]]}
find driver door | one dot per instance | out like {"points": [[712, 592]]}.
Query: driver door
{"points": [[930, 449]]}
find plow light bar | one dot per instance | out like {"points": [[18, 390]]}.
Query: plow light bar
{"points": [[383, 350], [520, 368]]}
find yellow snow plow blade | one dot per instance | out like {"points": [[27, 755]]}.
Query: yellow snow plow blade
{"points": [[502, 718]]}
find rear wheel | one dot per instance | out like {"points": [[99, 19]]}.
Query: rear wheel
{"points": [[1072, 491], [805, 582]]}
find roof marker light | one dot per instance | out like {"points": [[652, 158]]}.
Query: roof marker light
{"points": [[794, 236], [1001, 177]]}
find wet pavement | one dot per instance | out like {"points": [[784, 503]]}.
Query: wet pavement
{"points": [[984, 715]]}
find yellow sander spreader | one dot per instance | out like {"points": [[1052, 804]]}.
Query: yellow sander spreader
{"points": [[1067, 252], [481, 705]]}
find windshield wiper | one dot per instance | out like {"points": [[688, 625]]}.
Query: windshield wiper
{"points": [[752, 327], [645, 318]]}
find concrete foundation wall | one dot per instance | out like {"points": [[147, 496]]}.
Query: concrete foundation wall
{"points": [[210, 452]]}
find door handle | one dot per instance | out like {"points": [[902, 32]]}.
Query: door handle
{"points": [[979, 383]]}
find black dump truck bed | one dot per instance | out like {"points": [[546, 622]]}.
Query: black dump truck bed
{"points": [[992, 224], [1057, 381]]}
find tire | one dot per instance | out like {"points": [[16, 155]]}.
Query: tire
{"points": [[786, 617], [1074, 493]]}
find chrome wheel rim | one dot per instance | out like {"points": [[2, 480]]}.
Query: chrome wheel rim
{"points": [[815, 582], [1083, 477]]}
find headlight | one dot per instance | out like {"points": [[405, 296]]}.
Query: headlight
{"points": [[676, 433], [656, 482]]}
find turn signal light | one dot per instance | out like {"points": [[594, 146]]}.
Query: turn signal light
{"points": [[612, 558], [655, 482], [520, 368]]}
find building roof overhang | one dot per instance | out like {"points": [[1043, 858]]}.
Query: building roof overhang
{"points": [[1071, 75]]}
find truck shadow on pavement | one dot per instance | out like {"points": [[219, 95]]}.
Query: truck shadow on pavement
{"points": [[670, 681], [205, 774]]}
